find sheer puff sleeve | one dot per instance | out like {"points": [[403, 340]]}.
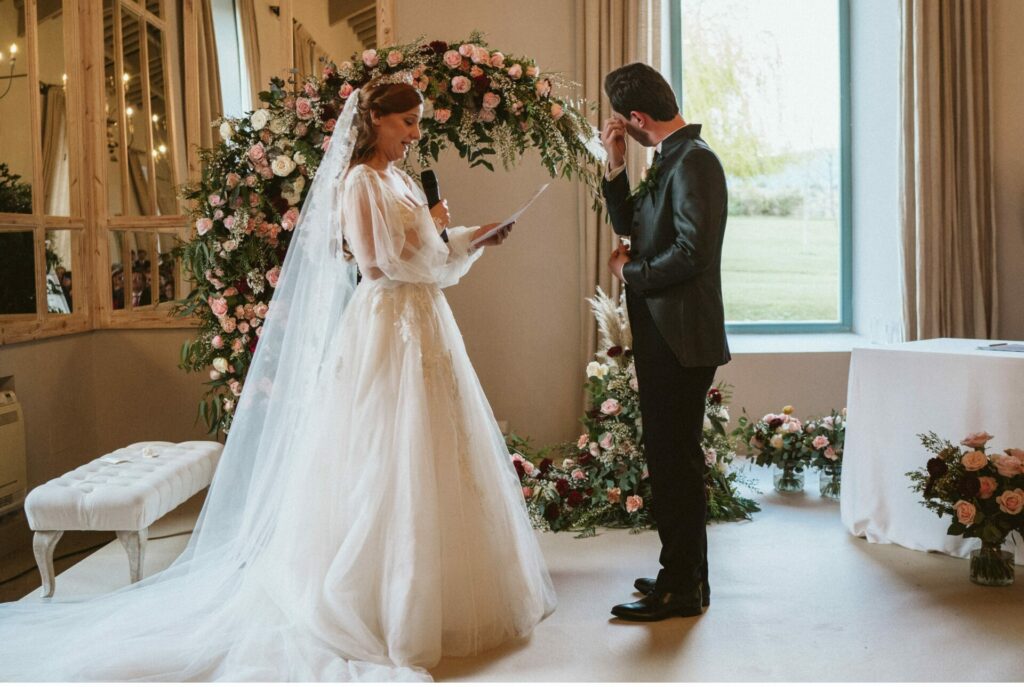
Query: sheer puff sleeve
{"points": [[400, 243]]}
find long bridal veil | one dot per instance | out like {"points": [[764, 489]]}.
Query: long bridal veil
{"points": [[216, 613]]}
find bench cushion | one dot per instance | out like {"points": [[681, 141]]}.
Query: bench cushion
{"points": [[157, 477]]}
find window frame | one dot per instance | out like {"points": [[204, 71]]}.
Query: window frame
{"points": [[845, 321]]}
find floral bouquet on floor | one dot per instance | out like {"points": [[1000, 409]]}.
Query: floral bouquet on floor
{"points": [[779, 440], [602, 479], [824, 438], [984, 494]]}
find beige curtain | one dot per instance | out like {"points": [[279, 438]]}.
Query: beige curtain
{"points": [[609, 34], [211, 106], [251, 45], [56, 171], [307, 52], [948, 223]]}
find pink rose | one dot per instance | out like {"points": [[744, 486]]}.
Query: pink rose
{"points": [[237, 345], [203, 225], [395, 58], [614, 495], [230, 291], [582, 442], [346, 91], [215, 200], [974, 460], [236, 387], [710, 456], [442, 115], [217, 341], [218, 214], [303, 108], [611, 406], [528, 467], [480, 56], [497, 60], [976, 440], [1011, 502], [491, 100], [370, 58], [607, 441], [243, 327], [1007, 466], [820, 442], [214, 375], [309, 89], [228, 324], [516, 458], [556, 111], [475, 72], [422, 83], [219, 306], [515, 72], [988, 487], [533, 71], [634, 503], [461, 84], [345, 66], [290, 218], [830, 453], [1015, 452], [466, 49], [634, 384], [965, 512], [273, 274], [229, 221], [486, 115], [257, 153], [595, 449], [453, 59], [250, 180], [578, 474], [260, 310], [527, 492]]}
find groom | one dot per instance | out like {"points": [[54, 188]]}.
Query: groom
{"points": [[676, 223]]}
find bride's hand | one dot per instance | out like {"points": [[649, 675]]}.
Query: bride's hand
{"points": [[498, 238], [440, 214]]}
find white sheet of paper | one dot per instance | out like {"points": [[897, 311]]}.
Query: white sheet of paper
{"points": [[513, 217]]}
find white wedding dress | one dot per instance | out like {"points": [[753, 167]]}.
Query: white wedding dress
{"points": [[394, 534]]}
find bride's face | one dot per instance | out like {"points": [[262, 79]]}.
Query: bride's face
{"points": [[397, 132]]}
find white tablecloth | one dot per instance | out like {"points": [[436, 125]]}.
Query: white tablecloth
{"points": [[899, 391]]}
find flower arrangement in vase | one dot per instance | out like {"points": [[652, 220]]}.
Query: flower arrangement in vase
{"points": [[824, 438], [778, 440]]}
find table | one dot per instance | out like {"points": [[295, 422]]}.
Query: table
{"points": [[899, 391]]}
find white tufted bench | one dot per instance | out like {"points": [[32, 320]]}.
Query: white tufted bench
{"points": [[124, 491]]}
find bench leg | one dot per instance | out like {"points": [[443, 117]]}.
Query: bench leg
{"points": [[43, 544], [134, 543]]}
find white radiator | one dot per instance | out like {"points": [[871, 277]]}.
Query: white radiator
{"points": [[13, 470]]}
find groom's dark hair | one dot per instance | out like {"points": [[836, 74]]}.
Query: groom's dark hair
{"points": [[641, 88]]}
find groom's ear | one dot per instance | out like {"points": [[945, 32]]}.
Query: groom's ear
{"points": [[638, 119]]}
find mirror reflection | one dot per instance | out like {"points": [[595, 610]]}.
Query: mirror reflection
{"points": [[53, 109], [139, 200], [60, 252], [141, 251], [17, 265], [168, 267], [161, 152], [115, 248], [15, 146], [111, 107]]}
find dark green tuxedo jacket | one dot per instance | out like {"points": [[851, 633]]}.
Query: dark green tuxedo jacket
{"points": [[675, 251]]}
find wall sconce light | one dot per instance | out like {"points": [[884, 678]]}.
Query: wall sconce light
{"points": [[12, 53]]}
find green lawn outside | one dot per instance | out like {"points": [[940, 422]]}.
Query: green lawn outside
{"points": [[779, 268]]}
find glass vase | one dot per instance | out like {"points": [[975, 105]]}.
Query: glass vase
{"points": [[829, 480], [991, 566], [787, 479]]}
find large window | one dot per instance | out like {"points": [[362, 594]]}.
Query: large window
{"points": [[768, 80]]}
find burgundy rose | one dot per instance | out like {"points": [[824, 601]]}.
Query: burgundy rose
{"points": [[589, 491], [481, 84], [937, 468], [615, 351], [243, 287], [544, 466], [562, 486], [520, 470], [439, 47], [775, 423], [970, 486], [575, 499], [280, 204], [715, 396], [594, 413], [252, 344], [584, 458], [552, 512]]}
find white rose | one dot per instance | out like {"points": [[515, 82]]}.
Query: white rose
{"points": [[226, 130], [776, 441], [592, 368], [220, 364], [282, 165], [299, 158], [707, 422], [724, 415], [259, 118], [278, 125]]}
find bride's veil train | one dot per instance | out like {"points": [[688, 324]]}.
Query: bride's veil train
{"points": [[216, 613]]}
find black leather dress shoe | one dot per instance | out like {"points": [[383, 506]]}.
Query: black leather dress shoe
{"points": [[645, 585], [659, 606]]}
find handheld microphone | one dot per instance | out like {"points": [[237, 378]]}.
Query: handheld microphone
{"points": [[433, 192]]}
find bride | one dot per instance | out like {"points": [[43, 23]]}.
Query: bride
{"points": [[365, 518]]}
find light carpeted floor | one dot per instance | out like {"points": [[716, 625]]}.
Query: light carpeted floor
{"points": [[794, 598]]}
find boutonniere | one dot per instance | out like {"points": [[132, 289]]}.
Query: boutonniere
{"points": [[647, 184]]}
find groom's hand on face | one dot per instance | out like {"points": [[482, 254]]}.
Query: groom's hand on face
{"points": [[618, 260], [613, 138]]}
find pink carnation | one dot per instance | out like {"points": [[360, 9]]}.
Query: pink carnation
{"points": [[634, 503]]}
